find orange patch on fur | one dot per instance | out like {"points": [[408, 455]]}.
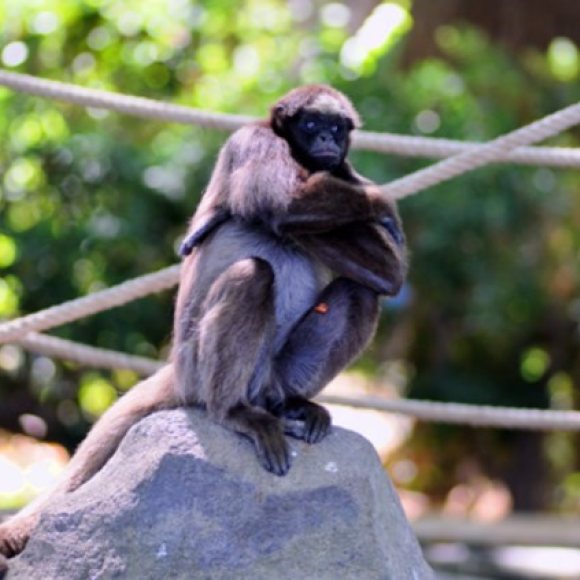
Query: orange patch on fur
{"points": [[321, 308]]}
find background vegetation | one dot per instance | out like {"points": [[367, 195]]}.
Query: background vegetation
{"points": [[88, 199]]}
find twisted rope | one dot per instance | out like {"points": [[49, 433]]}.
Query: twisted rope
{"points": [[366, 140], [491, 151], [474, 415], [452, 413], [87, 355], [436, 173], [130, 105], [91, 304], [410, 146], [471, 157]]}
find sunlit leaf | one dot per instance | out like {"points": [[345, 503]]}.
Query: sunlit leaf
{"points": [[8, 251], [96, 395]]}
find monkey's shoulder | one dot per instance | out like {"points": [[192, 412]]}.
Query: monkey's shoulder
{"points": [[255, 141]]}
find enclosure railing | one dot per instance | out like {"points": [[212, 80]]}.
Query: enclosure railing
{"points": [[458, 157]]}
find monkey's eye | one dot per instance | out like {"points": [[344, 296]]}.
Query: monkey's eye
{"points": [[310, 125], [334, 128]]}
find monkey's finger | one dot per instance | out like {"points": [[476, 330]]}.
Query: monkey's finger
{"points": [[294, 428], [391, 226]]}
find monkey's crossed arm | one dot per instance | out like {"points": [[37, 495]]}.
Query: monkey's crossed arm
{"points": [[348, 226], [309, 214]]}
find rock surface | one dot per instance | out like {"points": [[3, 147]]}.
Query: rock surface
{"points": [[184, 498]]}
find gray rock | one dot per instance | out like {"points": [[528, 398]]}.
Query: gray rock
{"points": [[185, 498]]}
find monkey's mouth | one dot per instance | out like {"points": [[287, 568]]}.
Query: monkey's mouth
{"points": [[326, 156]]}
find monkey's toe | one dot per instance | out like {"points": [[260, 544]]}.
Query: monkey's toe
{"points": [[317, 427], [274, 453]]}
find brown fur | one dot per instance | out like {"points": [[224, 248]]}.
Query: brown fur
{"points": [[249, 343], [315, 98], [224, 324]]}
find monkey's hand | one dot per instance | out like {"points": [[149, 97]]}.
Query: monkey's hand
{"points": [[200, 231], [391, 225], [323, 203], [305, 420], [385, 212]]}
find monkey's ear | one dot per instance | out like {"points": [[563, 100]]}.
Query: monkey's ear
{"points": [[278, 115]]}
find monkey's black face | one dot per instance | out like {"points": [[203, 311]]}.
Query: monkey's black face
{"points": [[319, 141]]}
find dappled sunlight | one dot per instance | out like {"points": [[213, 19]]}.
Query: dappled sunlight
{"points": [[563, 59], [539, 561], [27, 468], [385, 431], [489, 315], [476, 497], [384, 26], [480, 499]]}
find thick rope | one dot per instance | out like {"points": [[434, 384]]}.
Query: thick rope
{"points": [[91, 304], [379, 142], [473, 156], [474, 415], [399, 188], [493, 150], [130, 105], [411, 146], [87, 355], [454, 413]]}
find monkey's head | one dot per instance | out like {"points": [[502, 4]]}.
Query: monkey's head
{"points": [[316, 121]]}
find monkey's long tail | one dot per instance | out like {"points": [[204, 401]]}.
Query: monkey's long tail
{"points": [[154, 393]]}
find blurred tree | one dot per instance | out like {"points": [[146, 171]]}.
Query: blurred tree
{"points": [[517, 24], [90, 198]]}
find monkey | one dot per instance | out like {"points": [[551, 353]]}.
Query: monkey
{"points": [[292, 250], [284, 263]]}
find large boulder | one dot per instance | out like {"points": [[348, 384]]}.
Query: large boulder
{"points": [[185, 498]]}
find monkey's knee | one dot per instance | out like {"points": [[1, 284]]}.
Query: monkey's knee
{"points": [[247, 282], [253, 270], [359, 300], [328, 338], [235, 337]]}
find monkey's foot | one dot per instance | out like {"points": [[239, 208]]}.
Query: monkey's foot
{"points": [[306, 420], [266, 433], [271, 447], [14, 535]]}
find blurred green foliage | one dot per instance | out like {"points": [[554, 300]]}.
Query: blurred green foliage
{"points": [[90, 198]]}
